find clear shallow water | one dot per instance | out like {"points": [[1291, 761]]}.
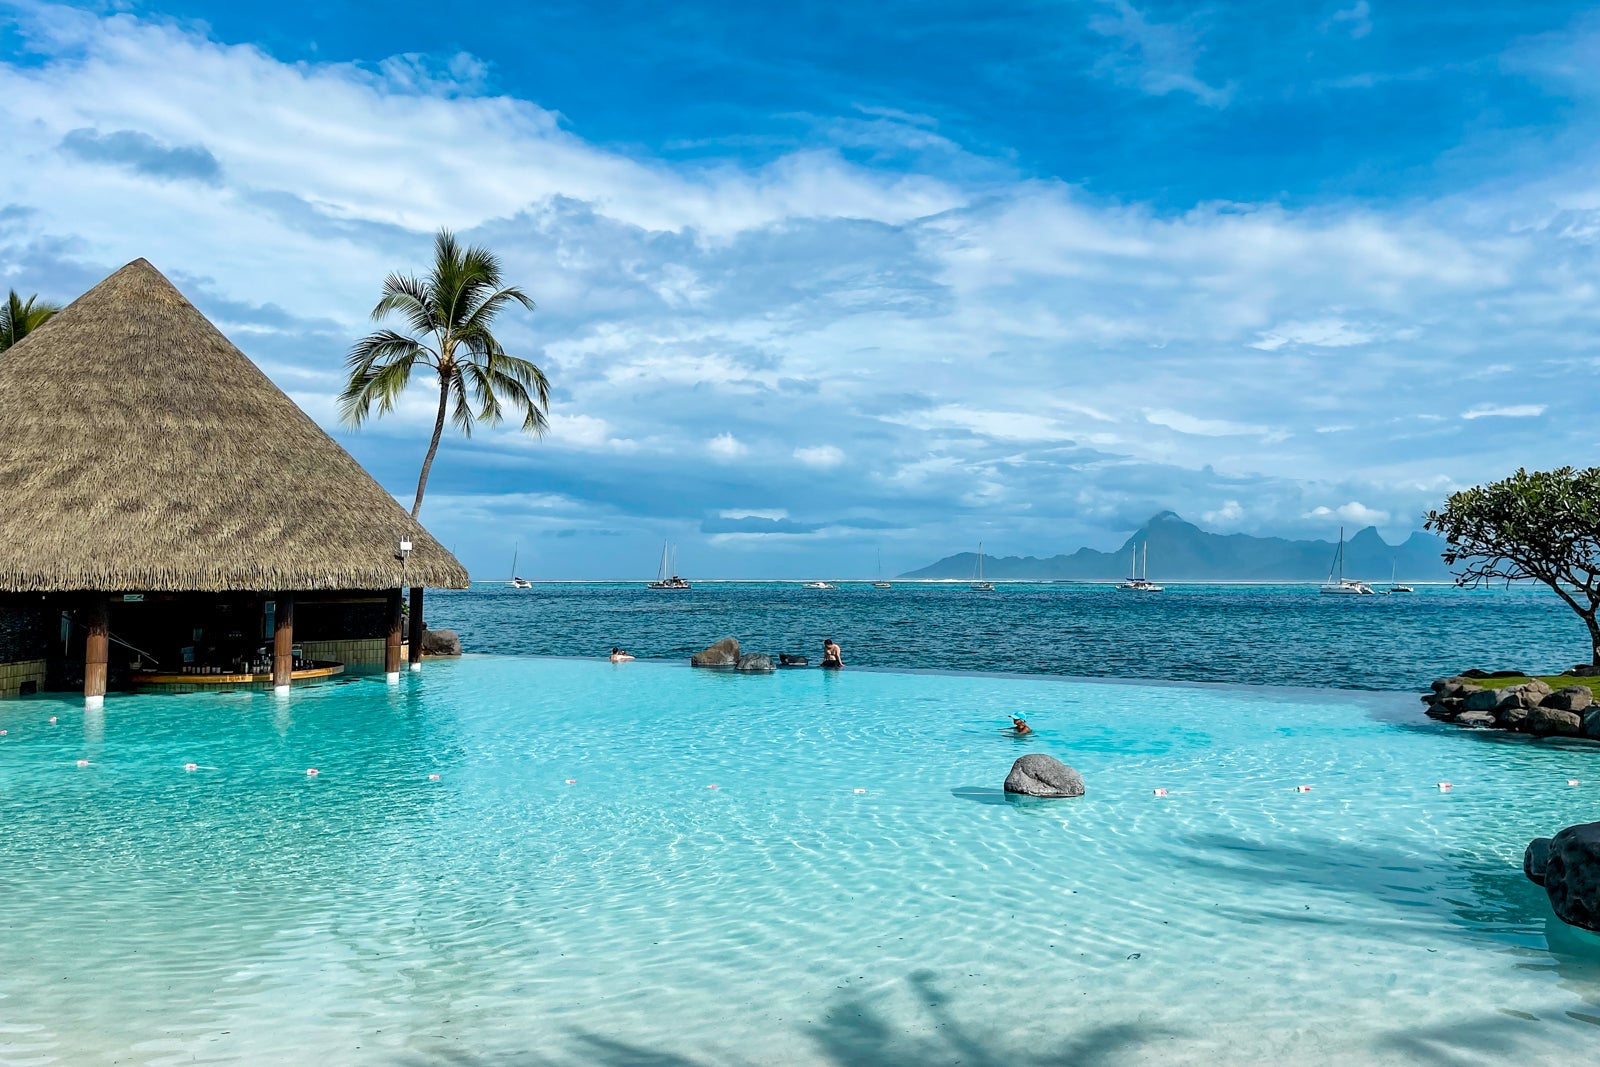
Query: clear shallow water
{"points": [[245, 913], [1267, 635]]}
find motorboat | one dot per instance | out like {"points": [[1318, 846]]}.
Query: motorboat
{"points": [[978, 584], [819, 585], [1337, 584], [666, 576], [1137, 583]]}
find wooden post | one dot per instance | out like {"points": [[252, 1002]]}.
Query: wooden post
{"points": [[283, 642], [97, 650], [391, 647], [414, 652]]}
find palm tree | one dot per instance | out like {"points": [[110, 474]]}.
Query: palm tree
{"points": [[19, 317], [448, 314]]}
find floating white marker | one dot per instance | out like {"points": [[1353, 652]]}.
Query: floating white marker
{"points": [[1444, 787], [860, 790], [2, 733], [1161, 792], [572, 781], [1570, 781], [52, 720], [83, 763], [191, 766], [713, 787], [312, 772], [1302, 789], [433, 777]]}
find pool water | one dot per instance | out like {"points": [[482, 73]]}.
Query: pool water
{"points": [[855, 889]]}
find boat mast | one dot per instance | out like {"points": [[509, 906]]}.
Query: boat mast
{"points": [[514, 550]]}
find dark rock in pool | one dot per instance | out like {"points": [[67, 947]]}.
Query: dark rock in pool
{"points": [[755, 661], [786, 660], [1535, 859], [1572, 875], [1591, 723], [1584, 670], [724, 653], [1553, 721], [441, 643], [1475, 719], [1038, 775], [1483, 699], [1514, 717]]}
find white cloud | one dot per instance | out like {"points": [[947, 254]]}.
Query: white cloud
{"points": [[1353, 512], [1190, 424], [726, 446], [823, 456], [1318, 333], [1229, 513], [1505, 411]]}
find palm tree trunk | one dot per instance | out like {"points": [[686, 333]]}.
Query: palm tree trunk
{"points": [[433, 446]]}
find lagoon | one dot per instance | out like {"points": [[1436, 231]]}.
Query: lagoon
{"points": [[246, 912]]}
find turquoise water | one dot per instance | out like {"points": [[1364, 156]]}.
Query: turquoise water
{"points": [[1266, 635], [245, 912]]}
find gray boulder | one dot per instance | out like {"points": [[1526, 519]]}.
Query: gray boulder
{"points": [[724, 653], [441, 643], [1591, 722], [1547, 721], [1571, 698], [1532, 694], [1513, 718], [785, 659], [1038, 775], [755, 661], [1482, 719], [1484, 699], [1572, 875], [1535, 859]]}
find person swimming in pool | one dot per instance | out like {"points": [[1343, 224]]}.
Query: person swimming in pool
{"points": [[1020, 727], [619, 656], [832, 654]]}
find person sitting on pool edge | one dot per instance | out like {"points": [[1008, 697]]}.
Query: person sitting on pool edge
{"points": [[1020, 727], [832, 655], [619, 656]]}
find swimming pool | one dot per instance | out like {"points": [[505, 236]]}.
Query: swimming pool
{"points": [[571, 889]]}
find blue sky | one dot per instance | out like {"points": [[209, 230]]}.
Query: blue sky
{"points": [[824, 281]]}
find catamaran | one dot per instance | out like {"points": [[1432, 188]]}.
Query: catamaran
{"points": [[666, 578], [978, 584], [1136, 584], [1337, 584], [516, 582]]}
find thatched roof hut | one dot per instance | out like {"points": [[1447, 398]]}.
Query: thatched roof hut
{"points": [[140, 450]]}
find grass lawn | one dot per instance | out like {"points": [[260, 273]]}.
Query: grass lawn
{"points": [[1554, 681]]}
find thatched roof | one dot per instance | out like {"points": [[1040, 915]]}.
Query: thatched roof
{"points": [[140, 450]]}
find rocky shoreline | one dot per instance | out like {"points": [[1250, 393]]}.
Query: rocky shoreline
{"points": [[1472, 699]]}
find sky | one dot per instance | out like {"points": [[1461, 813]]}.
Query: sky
{"points": [[824, 284]]}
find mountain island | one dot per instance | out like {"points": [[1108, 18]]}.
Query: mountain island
{"points": [[1181, 551]]}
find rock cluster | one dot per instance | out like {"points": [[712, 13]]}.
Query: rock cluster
{"points": [[1472, 699], [726, 653], [1568, 866]]}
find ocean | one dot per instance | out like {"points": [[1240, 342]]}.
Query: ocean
{"points": [[1261, 635]]}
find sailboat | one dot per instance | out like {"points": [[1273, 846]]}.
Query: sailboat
{"points": [[1137, 584], [665, 576], [516, 582], [1337, 584], [978, 584], [1395, 587], [880, 583]]}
